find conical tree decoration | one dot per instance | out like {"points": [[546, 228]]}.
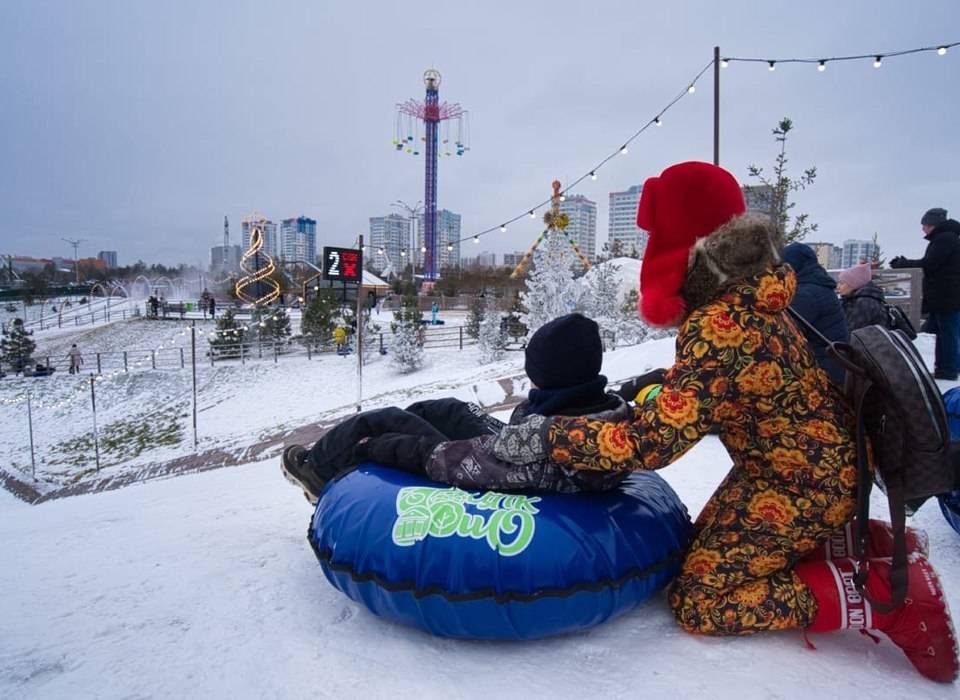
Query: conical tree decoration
{"points": [[251, 286]]}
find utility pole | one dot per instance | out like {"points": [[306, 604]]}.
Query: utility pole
{"points": [[76, 253], [716, 105]]}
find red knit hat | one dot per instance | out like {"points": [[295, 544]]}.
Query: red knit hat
{"points": [[687, 202]]}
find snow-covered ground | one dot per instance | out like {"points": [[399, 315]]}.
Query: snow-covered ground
{"points": [[205, 586]]}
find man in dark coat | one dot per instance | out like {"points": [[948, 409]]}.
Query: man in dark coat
{"points": [[450, 441], [941, 288], [816, 300]]}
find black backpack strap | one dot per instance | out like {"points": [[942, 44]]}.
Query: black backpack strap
{"points": [[841, 352]]}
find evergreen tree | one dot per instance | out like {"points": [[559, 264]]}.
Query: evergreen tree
{"points": [[319, 319], [17, 346], [551, 291], [630, 329], [406, 349], [493, 335], [602, 302], [275, 327], [775, 198], [877, 260], [475, 316], [371, 338], [229, 335]]}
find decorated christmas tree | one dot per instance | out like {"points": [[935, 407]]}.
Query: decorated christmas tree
{"points": [[17, 346], [274, 327], [406, 348], [493, 336], [550, 288], [228, 338]]}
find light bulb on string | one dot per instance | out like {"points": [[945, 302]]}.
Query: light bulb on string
{"points": [[563, 198], [423, 249], [692, 89], [878, 61], [941, 50], [771, 65], [532, 215], [822, 66], [503, 228], [658, 121], [449, 247], [476, 239], [724, 63], [623, 150], [593, 175]]}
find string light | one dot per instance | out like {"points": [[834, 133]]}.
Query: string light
{"points": [[423, 249], [822, 61], [878, 61], [592, 173], [942, 50], [724, 63], [449, 246], [503, 228], [623, 150], [772, 65], [822, 66]]}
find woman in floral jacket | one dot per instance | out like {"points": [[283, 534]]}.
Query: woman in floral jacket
{"points": [[743, 369]]}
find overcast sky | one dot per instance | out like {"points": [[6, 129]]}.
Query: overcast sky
{"points": [[139, 125]]}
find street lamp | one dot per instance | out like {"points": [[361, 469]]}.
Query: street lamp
{"points": [[412, 212]]}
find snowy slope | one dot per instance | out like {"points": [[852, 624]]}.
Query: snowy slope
{"points": [[205, 586]]}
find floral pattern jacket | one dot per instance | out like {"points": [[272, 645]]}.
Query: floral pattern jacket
{"points": [[742, 366]]}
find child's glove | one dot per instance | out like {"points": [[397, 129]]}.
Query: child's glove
{"points": [[629, 390]]}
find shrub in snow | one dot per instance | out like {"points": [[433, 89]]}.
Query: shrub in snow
{"points": [[228, 338], [371, 338], [551, 291], [316, 325], [493, 336], [474, 317], [406, 348], [17, 346]]}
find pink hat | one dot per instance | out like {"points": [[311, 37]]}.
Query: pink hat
{"points": [[856, 276]]}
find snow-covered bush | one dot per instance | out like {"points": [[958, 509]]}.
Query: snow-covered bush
{"points": [[493, 335], [551, 291]]}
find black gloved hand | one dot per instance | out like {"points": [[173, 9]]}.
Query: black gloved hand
{"points": [[898, 261], [629, 389]]}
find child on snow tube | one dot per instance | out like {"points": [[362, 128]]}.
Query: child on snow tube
{"points": [[743, 369], [434, 438]]}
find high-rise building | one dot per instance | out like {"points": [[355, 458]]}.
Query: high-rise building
{"points": [[758, 198], [109, 258], [448, 240], [225, 259], [622, 226], [269, 229], [298, 240], [582, 228], [828, 255], [389, 243], [857, 251], [513, 259]]}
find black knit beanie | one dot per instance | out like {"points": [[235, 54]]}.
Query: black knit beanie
{"points": [[565, 352], [933, 217]]}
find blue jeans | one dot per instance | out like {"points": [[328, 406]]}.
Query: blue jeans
{"points": [[946, 326]]}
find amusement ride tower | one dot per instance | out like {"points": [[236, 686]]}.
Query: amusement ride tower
{"points": [[432, 113]]}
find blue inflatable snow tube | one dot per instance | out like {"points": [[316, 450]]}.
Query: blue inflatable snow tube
{"points": [[490, 565], [950, 502]]}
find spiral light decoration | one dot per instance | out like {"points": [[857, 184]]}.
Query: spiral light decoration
{"points": [[257, 275]]}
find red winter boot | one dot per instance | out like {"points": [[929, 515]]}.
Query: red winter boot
{"points": [[879, 542], [921, 627]]}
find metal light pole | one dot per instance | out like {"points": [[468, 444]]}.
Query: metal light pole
{"points": [[412, 212], [76, 254]]}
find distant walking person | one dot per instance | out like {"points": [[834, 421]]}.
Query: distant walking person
{"points": [[76, 359], [941, 288], [213, 307]]}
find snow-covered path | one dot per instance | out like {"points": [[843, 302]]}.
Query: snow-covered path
{"points": [[204, 586]]}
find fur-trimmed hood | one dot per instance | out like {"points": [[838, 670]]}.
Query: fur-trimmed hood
{"points": [[742, 248]]}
